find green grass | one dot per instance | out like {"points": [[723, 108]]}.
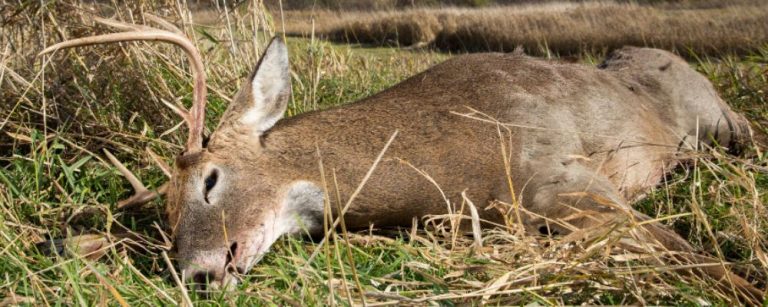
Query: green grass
{"points": [[54, 184]]}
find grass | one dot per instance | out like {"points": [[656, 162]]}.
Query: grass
{"points": [[56, 117], [565, 28]]}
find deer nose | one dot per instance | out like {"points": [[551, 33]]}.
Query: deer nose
{"points": [[201, 280], [233, 256], [209, 270]]}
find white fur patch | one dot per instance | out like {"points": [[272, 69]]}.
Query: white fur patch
{"points": [[301, 209]]}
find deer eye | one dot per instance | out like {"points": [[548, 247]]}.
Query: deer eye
{"points": [[210, 182]]}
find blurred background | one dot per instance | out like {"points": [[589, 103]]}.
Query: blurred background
{"points": [[564, 27]]}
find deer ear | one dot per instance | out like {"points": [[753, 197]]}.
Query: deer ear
{"points": [[263, 99]]}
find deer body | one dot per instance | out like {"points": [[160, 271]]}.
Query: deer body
{"points": [[610, 133], [582, 143], [565, 114]]}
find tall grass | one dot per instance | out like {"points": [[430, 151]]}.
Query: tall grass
{"points": [[58, 112]]}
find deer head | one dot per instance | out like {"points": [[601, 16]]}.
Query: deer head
{"points": [[225, 207], [223, 210]]}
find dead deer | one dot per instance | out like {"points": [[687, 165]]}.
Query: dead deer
{"points": [[581, 144]]}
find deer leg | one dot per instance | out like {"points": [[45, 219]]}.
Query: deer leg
{"points": [[560, 199], [571, 200]]}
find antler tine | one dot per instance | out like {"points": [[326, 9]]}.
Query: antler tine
{"points": [[179, 111], [138, 187], [195, 116], [163, 23], [134, 27], [160, 163], [120, 25], [141, 194], [140, 199]]}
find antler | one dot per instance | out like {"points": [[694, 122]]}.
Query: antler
{"points": [[141, 194], [195, 116]]}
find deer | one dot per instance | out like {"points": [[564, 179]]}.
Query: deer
{"points": [[582, 144]]}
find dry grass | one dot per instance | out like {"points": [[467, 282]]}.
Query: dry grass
{"points": [[59, 111], [563, 28]]}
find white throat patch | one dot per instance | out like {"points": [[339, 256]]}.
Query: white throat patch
{"points": [[301, 209]]}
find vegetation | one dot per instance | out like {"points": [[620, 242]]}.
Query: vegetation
{"points": [[562, 28], [57, 113], [353, 5]]}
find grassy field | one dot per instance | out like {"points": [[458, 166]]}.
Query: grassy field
{"points": [[565, 28], [58, 112]]}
